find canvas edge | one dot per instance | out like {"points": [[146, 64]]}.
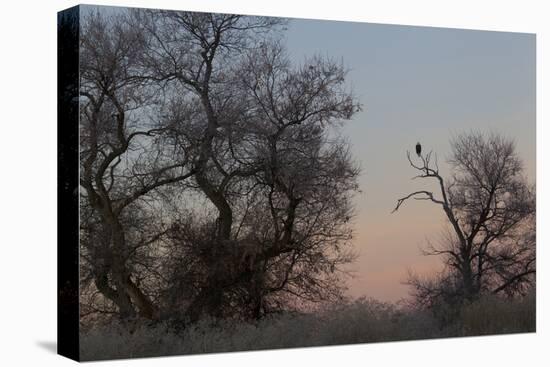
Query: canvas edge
{"points": [[68, 30]]}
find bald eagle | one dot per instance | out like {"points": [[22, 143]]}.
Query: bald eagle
{"points": [[418, 149]]}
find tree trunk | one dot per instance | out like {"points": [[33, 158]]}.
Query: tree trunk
{"points": [[468, 282], [126, 294], [144, 305], [120, 272], [121, 300]]}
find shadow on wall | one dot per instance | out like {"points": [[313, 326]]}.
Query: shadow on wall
{"points": [[50, 346]]}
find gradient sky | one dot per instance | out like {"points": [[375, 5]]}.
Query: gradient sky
{"points": [[418, 84]]}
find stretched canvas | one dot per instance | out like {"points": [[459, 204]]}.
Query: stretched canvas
{"points": [[231, 183]]}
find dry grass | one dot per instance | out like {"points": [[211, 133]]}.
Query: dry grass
{"points": [[361, 321]]}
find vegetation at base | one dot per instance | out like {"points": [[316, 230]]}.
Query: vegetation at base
{"points": [[359, 321]]}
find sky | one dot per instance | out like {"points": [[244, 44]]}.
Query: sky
{"points": [[420, 84], [416, 84]]}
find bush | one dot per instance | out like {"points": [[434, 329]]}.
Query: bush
{"points": [[494, 315]]}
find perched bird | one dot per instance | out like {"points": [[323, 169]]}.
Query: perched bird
{"points": [[418, 149]]}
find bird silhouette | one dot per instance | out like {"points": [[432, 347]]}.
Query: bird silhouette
{"points": [[418, 149]]}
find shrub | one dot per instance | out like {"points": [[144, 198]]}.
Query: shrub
{"points": [[496, 315]]}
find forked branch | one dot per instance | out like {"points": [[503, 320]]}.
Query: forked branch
{"points": [[428, 196]]}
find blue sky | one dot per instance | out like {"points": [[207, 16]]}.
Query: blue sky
{"points": [[418, 84]]}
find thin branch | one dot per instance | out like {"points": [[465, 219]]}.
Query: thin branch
{"points": [[429, 196]]}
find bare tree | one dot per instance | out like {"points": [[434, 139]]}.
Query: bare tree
{"points": [[308, 174], [115, 174], [490, 209], [214, 178], [263, 154]]}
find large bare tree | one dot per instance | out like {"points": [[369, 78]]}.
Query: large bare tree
{"points": [[490, 209], [215, 181], [265, 160]]}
